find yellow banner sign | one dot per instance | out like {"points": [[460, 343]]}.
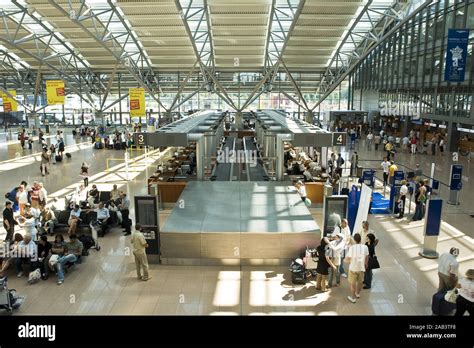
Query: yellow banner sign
{"points": [[9, 103], [55, 92], [137, 102]]}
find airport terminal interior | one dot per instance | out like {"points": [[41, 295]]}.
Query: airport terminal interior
{"points": [[244, 157]]}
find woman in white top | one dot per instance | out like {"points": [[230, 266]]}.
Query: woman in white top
{"points": [[301, 190], [22, 198], [465, 299]]}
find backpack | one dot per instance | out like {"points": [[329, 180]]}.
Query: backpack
{"points": [[34, 276]]}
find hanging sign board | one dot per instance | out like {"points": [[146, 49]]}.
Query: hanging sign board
{"points": [[9, 103], [137, 102], [55, 92], [456, 55]]}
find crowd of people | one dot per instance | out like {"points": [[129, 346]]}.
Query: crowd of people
{"points": [[27, 207], [340, 251]]}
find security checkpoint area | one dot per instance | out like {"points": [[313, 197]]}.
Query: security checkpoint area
{"points": [[178, 158]]}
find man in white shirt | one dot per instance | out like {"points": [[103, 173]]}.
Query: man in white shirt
{"points": [[22, 198], [403, 197], [385, 166], [448, 269], [42, 195], [335, 249], [358, 258], [27, 252], [370, 137], [139, 246], [347, 240], [103, 216], [405, 142]]}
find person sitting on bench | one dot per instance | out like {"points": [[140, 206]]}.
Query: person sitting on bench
{"points": [[72, 254], [74, 218], [103, 216], [93, 196], [27, 252]]}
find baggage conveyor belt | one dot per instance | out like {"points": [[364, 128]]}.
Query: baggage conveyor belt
{"points": [[223, 170]]}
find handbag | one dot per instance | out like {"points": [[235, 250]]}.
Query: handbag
{"points": [[451, 296], [373, 263], [308, 202]]}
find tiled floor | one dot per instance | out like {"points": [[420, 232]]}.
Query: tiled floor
{"points": [[105, 283]]}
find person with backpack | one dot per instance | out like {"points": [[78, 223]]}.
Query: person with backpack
{"points": [[85, 173], [420, 199]]}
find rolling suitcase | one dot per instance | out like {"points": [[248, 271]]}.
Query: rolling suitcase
{"points": [[439, 306]]}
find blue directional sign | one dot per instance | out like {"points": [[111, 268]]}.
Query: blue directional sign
{"points": [[455, 182], [456, 54]]}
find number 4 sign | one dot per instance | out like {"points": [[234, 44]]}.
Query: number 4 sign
{"points": [[338, 139]]}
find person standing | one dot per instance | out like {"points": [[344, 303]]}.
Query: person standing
{"points": [[45, 160], [377, 139], [345, 230], [465, 299], [434, 144], [9, 221], [335, 248], [42, 195], [22, 198], [420, 199], [371, 244], [403, 198], [358, 258], [354, 164], [22, 138], [324, 263], [448, 266], [392, 169], [385, 167], [339, 162], [139, 246], [413, 143], [85, 173], [370, 137], [405, 142], [441, 146], [124, 207], [388, 148]]}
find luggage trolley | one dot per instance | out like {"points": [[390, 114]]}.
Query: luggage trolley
{"points": [[8, 299]]}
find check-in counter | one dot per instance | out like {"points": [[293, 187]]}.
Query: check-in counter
{"points": [[169, 192], [466, 145], [315, 192]]}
